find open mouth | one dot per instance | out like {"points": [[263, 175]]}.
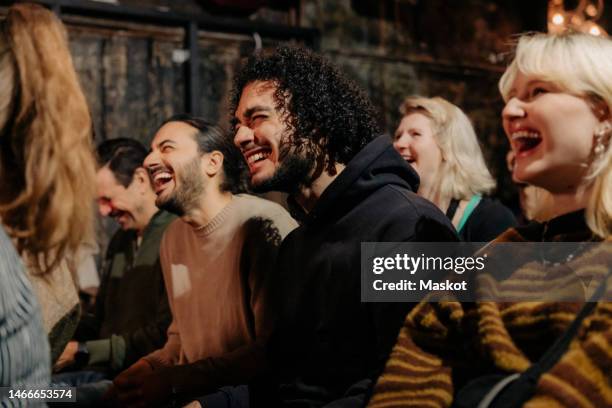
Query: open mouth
{"points": [[257, 156], [161, 177], [409, 159], [118, 215], [525, 141]]}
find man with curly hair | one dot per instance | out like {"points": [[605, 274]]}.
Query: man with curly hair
{"points": [[305, 129]]}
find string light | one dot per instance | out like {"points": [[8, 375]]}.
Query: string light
{"points": [[558, 19], [583, 18]]}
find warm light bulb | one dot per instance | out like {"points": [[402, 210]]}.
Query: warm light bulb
{"points": [[558, 19], [595, 31], [591, 10]]}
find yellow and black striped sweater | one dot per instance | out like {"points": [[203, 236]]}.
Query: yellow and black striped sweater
{"points": [[444, 345]]}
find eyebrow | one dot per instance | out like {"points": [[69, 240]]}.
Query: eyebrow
{"points": [[411, 129], [249, 112], [163, 143], [512, 93]]}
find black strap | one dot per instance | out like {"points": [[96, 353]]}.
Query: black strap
{"points": [[550, 358], [452, 209], [503, 391], [517, 392]]}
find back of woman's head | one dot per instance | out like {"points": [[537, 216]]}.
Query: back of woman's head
{"points": [[581, 65], [46, 162], [463, 172]]}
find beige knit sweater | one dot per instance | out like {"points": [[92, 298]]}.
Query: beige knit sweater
{"points": [[216, 278]]}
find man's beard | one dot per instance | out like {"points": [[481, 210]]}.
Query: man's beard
{"points": [[186, 195], [292, 174]]}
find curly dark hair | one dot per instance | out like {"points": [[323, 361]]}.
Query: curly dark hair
{"points": [[328, 113]]}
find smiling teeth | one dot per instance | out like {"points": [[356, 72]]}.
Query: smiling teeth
{"points": [[162, 175], [525, 134], [257, 156]]}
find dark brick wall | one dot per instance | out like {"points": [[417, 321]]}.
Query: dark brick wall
{"points": [[392, 48], [451, 49], [131, 82]]}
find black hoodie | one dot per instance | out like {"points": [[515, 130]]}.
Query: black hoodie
{"points": [[327, 345]]}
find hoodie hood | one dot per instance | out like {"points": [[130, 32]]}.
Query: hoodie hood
{"points": [[377, 165]]}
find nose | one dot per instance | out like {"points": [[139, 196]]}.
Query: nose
{"points": [[104, 208], [402, 142], [151, 160], [514, 109], [243, 137]]}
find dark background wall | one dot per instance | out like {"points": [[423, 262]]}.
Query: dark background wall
{"points": [[134, 73]]}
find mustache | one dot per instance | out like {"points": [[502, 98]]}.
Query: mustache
{"points": [[116, 213]]}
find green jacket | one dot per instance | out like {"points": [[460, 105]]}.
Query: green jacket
{"points": [[132, 313]]}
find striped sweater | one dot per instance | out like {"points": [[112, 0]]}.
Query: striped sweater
{"points": [[442, 346], [24, 350]]}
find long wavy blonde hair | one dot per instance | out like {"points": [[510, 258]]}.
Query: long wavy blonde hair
{"points": [[46, 161]]}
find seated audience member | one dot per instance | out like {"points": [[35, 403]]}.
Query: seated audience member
{"points": [[319, 141], [131, 313], [437, 139], [216, 261], [46, 191], [558, 93]]}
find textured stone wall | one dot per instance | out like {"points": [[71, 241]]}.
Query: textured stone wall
{"points": [[133, 83], [455, 50], [392, 48]]}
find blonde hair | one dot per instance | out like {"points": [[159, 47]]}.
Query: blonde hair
{"points": [[46, 160], [580, 64], [463, 172]]}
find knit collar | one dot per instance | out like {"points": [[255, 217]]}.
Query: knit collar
{"points": [[217, 221]]}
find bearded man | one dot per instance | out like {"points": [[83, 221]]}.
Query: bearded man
{"points": [[215, 260], [306, 130]]}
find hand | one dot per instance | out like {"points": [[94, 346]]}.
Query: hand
{"points": [[140, 386], [68, 356], [132, 376]]}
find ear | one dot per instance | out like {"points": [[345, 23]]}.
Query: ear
{"points": [[141, 178], [212, 163]]}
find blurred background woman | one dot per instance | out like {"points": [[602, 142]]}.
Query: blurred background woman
{"points": [[558, 93], [439, 142], [46, 188]]}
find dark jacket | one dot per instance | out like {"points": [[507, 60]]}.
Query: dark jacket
{"points": [[328, 345], [488, 220], [132, 313]]}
